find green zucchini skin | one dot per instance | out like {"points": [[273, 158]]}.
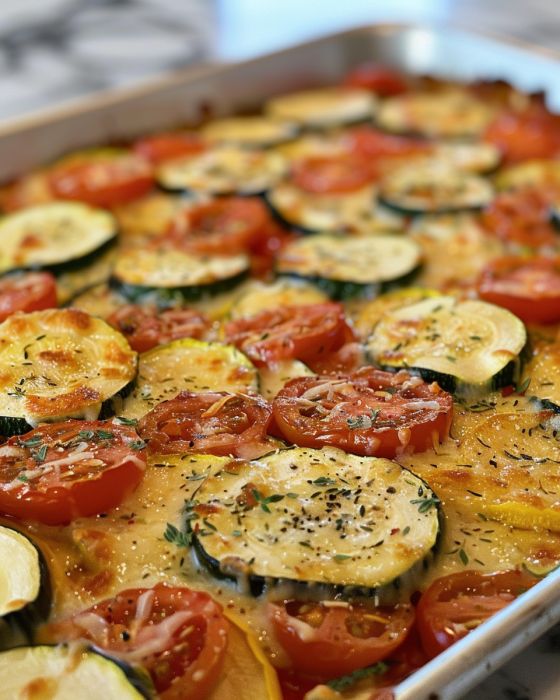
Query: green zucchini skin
{"points": [[165, 297], [259, 585], [138, 682], [231, 562], [68, 265], [507, 376], [408, 211], [345, 291], [19, 626]]}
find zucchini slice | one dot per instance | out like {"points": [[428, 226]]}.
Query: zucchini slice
{"points": [[174, 274], [67, 673], [466, 346], [271, 380], [348, 267], [186, 365], [283, 292], [58, 364], [315, 517], [223, 170], [356, 212], [533, 173], [253, 131], [56, 236], [434, 188], [25, 591], [324, 107], [473, 157], [99, 300], [449, 114]]}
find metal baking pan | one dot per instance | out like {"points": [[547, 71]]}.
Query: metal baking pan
{"points": [[190, 95]]}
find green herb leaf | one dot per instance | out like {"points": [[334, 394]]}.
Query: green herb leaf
{"points": [[40, 454], [351, 679], [175, 536], [137, 445], [342, 557], [35, 441], [104, 434], [127, 421], [425, 504], [324, 481], [463, 557]]}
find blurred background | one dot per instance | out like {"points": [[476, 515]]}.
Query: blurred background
{"points": [[53, 50]]}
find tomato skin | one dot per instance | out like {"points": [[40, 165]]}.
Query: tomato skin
{"points": [[189, 666], [380, 79], [522, 217], [373, 143], [528, 287], [79, 491], [166, 146], [320, 640], [146, 327], [31, 291], [103, 182], [291, 332], [522, 135], [209, 422], [455, 604], [336, 418], [227, 225], [333, 174]]}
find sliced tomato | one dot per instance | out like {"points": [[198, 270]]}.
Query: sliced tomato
{"points": [[31, 291], [103, 181], [368, 412], [161, 147], [265, 249], [522, 217], [223, 226], [63, 471], [301, 332], [333, 174], [332, 640], [145, 326], [380, 79], [209, 422], [524, 134], [456, 604], [373, 143], [528, 287], [178, 635]]}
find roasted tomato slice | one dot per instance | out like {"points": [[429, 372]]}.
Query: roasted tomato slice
{"points": [[372, 143], [103, 181], [210, 422], [528, 287], [380, 79], [524, 134], [454, 605], [161, 147], [333, 174], [223, 226], [31, 291], [145, 327], [302, 332], [368, 412], [522, 217], [329, 640], [178, 635], [69, 470]]}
